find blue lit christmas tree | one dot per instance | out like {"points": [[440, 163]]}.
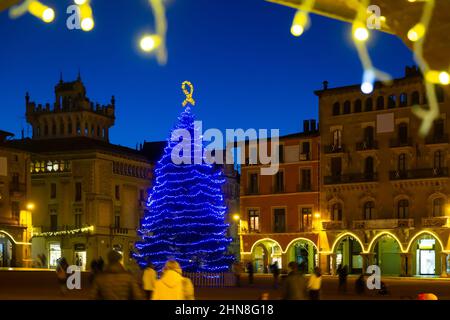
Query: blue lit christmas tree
{"points": [[185, 216]]}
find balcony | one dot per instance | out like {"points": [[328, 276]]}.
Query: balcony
{"points": [[278, 189], [437, 139], [252, 190], [397, 143], [304, 188], [118, 230], [306, 156], [366, 145], [333, 148], [383, 223], [419, 173], [435, 222], [17, 189], [351, 178], [333, 225]]}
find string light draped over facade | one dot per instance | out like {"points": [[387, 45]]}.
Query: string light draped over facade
{"points": [[185, 212]]}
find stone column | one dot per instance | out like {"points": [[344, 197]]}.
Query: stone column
{"points": [[406, 265], [367, 259], [444, 265], [333, 263]]}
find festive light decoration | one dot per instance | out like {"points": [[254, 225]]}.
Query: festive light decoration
{"points": [[64, 232], [158, 40], [301, 19], [86, 16], [149, 42], [185, 216], [34, 7]]}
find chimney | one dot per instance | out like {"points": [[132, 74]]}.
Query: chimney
{"points": [[305, 126], [313, 125], [325, 85]]}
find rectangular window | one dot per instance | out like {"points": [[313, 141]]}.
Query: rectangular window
{"points": [[78, 217], [78, 191], [306, 219], [53, 191], [306, 180], [279, 181], [281, 153], [117, 192], [15, 209], [336, 166], [253, 220], [306, 151], [253, 183], [279, 220], [53, 220], [117, 221]]}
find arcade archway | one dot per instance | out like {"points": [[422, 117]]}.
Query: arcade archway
{"points": [[304, 252], [425, 249], [387, 250], [6, 250], [348, 251], [264, 253]]}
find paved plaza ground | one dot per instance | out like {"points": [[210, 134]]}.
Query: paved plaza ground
{"points": [[43, 285]]}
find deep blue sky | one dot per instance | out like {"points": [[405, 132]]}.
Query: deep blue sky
{"points": [[247, 69]]}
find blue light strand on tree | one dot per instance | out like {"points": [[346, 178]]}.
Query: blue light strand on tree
{"points": [[185, 216]]}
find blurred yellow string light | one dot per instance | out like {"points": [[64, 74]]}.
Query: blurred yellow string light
{"points": [[157, 42], [87, 18], [34, 7], [431, 77], [301, 19]]}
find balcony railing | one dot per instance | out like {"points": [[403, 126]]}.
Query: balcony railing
{"points": [[118, 230], [396, 142], [333, 225], [435, 222], [419, 173], [304, 188], [305, 156], [333, 148], [253, 190], [383, 223], [15, 188], [437, 139], [278, 189], [351, 178], [366, 145]]}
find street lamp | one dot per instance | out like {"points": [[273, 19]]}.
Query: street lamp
{"points": [[236, 217], [30, 206]]}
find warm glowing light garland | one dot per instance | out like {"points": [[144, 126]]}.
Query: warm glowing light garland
{"points": [[64, 232]]}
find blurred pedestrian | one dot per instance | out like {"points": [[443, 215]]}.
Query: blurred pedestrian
{"points": [[250, 272], [100, 264], [342, 274], [315, 284], [360, 285], [294, 285], [383, 289], [61, 274], [237, 270], [148, 280], [115, 283], [276, 274], [172, 285]]}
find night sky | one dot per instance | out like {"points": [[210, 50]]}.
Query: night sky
{"points": [[248, 71]]}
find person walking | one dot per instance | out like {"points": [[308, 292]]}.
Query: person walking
{"points": [[314, 284], [115, 283], [172, 285], [250, 272], [360, 285], [342, 274], [61, 274], [148, 280], [276, 274], [237, 270], [294, 285]]}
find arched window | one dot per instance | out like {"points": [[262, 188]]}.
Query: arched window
{"points": [[92, 130], [369, 105], [347, 107], [45, 130], [392, 101], [358, 106], [380, 103], [38, 131], [86, 129], [369, 136], [415, 98], [98, 131], [438, 207], [61, 128], [401, 165], [368, 210], [438, 129], [78, 129], [403, 209], [403, 100], [69, 127], [437, 159], [336, 212], [336, 109]]}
